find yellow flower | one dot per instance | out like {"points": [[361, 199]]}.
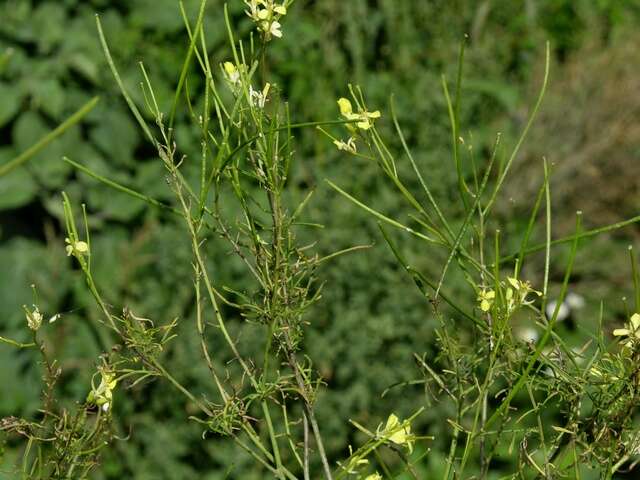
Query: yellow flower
{"points": [[374, 476], [102, 396], [398, 433], [265, 14], [365, 119], [486, 298], [517, 293], [345, 107], [231, 72], [632, 330]]}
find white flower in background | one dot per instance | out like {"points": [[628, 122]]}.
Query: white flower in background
{"points": [[76, 248], [572, 302], [259, 98], [34, 318], [563, 312], [528, 334]]}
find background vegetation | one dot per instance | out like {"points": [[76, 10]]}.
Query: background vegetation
{"points": [[370, 321]]}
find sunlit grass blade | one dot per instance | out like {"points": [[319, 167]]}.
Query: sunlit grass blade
{"points": [[122, 188], [123, 90]]}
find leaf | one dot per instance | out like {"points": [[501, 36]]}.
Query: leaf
{"points": [[10, 99], [49, 96], [116, 136], [161, 15], [17, 188], [49, 22], [47, 166]]}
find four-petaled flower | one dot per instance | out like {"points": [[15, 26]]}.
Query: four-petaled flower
{"points": [[364, 118], [398, 432], [632, 331], [486, 298]]}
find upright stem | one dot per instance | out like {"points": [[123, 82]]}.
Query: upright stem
{"points": [[308, 408]]}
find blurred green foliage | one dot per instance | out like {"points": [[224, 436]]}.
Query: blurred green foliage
{"points": [[370, 321]]}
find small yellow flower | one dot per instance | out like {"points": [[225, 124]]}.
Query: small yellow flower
{"points": [[365, 119], [632, 331], [102, 396], [517, 293], [345, 107], [231, 72], [79, 247], [398, 433], [486, 298], [374, 476]]}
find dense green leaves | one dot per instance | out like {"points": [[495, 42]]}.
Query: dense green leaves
{"points": [[371, 320]]}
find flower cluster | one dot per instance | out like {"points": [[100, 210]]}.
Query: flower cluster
{"points": [[76, 248], [516, 295], [102, 396], [363, 119], [265, 14]]}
